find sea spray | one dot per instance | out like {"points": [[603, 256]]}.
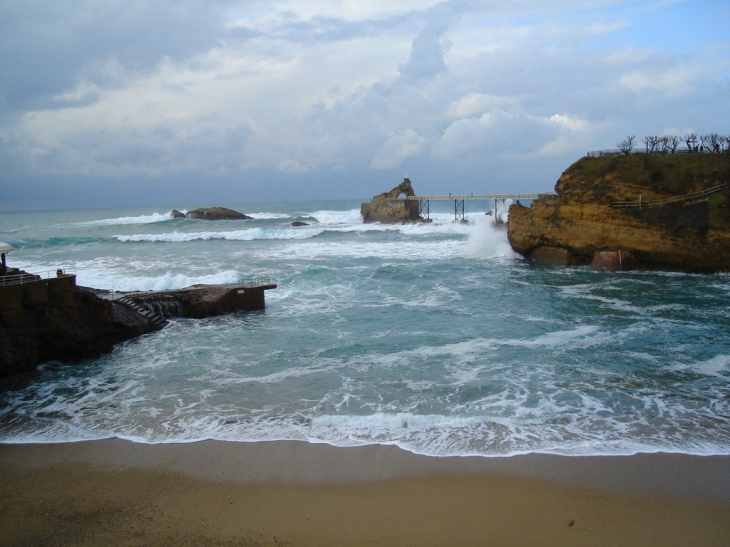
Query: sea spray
{"points": [[487, 240], [168, 280]]}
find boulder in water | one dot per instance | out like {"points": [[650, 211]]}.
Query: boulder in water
{"points": [[614, 261], [217, 213]]}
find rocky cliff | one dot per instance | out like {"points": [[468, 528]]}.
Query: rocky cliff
{"points": [[388, 209], [691, 234], [53, 319]]}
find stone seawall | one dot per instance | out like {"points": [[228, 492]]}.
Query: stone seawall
{"points": [[54, 320]]}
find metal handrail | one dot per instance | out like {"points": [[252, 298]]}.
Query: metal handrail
{"points": [[461, 197], [25, 278], [662, 201], [253, 282]]}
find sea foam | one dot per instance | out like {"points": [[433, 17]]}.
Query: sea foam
{"points": [[142, 219]]}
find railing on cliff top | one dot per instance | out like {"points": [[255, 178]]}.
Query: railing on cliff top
{"points": [[617, 152], [662, 201], [25, 278]]}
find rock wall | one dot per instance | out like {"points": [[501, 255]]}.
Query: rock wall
{"points": [[685, 236], [388, 209], [53, 319]]}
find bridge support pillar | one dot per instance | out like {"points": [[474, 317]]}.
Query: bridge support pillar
{"points": [[424, 207], [459, 210]]}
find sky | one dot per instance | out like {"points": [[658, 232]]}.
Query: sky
{"points": [[181, 102]]}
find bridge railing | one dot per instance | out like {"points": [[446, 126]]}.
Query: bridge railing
{"points": [[462, 197], [25, 278]]}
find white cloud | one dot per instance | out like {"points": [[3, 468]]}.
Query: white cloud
{"points": [[496, 133], [476, 104], [676, 81], [397, 148], [292, 166]]}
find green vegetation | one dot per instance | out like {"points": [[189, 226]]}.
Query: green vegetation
{"points": [[674, 174]]}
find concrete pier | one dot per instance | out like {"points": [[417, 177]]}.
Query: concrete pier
{"points": [[201, 301]]}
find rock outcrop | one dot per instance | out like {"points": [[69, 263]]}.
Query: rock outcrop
{"points": [[692, 234], [614, 261], [53, 319], [212, 213], [389, 209]]}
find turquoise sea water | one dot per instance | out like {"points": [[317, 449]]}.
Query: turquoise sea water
{"points": [[436, 338]]}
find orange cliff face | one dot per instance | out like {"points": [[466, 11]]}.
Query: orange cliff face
{"points": [[690, 235]]}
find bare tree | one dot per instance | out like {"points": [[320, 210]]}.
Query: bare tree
{"points": [[705, 143], [648, 144], [663, 144], [626, 146], [690, 140], [727, 145], [672, 142], [655, 143], [714, 140]]}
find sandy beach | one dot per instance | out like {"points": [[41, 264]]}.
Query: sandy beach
{"points": [[115, 492]]}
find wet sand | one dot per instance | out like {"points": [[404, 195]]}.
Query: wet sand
{"points": [[291, 493]]}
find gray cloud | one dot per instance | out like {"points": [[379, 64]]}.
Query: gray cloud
{"points": [[47, 47], [249, 97]]}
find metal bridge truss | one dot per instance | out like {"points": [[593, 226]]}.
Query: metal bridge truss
{"points": [[424, 208], [459, 210]]}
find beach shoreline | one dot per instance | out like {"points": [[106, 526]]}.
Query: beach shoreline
{"points": [[297, 493]]}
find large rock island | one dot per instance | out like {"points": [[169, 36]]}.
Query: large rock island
{"points": [[389, 209], [669, 211]]}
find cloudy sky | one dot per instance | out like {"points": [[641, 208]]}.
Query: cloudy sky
{"points": [[181, 102]]}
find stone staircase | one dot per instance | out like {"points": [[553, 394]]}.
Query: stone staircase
{"points": [[152, 316]]}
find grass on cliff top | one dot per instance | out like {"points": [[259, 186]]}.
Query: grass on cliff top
{"points": [[673, 174]]}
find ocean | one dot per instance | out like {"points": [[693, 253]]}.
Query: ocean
{"points": [[436, 338]]}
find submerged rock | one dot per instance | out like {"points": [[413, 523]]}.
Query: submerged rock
{"points": [[390, 208], [299, 223]]}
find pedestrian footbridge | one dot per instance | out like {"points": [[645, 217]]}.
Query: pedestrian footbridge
{"points": [[460, 200]]}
